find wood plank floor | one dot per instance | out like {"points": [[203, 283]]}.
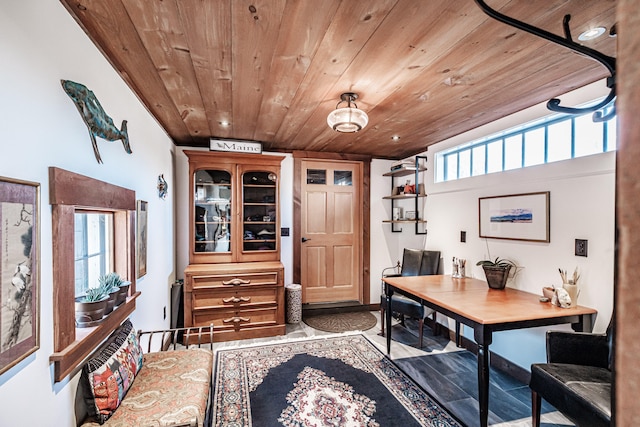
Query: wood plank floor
{"points": [[446, 372]]}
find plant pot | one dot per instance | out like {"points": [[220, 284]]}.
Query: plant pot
{"points": [[496, 275], [111, 302], [124, 292], [89, 313]]}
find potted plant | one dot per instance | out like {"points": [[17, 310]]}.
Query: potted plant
{"points": [[496, 271], [114, 280], [110, 285], [90, 307]]}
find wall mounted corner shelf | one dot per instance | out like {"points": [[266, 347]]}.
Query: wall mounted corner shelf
{"points": [[414, 192]]}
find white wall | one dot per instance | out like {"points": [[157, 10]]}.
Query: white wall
{"points": [[40, 127], [582, 206]]}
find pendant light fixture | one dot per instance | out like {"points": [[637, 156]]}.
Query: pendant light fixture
{"points": [[347, 119]]}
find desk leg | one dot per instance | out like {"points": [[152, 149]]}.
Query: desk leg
{"points": [[585, 324], [483, 338], [389, 293]]}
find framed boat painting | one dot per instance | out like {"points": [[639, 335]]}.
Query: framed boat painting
{"points": [[19, 271], [515, 217]]}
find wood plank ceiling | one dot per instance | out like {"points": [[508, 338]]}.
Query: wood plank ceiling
{"points": [[424, 70]]}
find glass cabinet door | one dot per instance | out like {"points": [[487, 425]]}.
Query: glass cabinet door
{"points": [[212, 209], [259, 211]]}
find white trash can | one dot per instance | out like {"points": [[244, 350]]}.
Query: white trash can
{"points": [[293, 293]]}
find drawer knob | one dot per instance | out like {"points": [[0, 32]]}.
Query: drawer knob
{"points": [[236, 282], [236, 300], [235, 320]]}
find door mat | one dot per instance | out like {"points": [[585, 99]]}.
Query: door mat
{"points": [[341, 322]]}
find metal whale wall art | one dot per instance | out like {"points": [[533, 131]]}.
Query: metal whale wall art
{"points": [[94, 116]]}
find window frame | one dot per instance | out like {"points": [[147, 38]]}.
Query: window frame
{"points": [[443, 156], [70, 192]]}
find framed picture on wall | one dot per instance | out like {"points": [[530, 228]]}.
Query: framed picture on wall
{"points": [[515, 217], [141, 238], [19, 271]]}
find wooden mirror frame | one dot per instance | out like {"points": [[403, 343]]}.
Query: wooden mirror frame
{"points": [[69, 192]]}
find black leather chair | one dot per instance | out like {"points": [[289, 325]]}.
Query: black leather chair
{"points": [[415, 262], [577, 378]]}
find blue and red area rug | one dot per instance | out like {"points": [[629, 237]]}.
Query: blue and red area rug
{"points": [[334, 381]]}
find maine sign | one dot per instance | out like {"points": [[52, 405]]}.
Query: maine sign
{"points": [[235, 146]]}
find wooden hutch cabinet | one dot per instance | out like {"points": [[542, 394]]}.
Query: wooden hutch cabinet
{"points": [[234, 279]]}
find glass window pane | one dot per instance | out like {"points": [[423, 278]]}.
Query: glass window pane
{"points": [[342, 178], [439, 168], [479, 159], [95, 269], [452, 167], [612, 135], [464, 170], [95, 233], [559, 141], [93, 249], [513, 152], [494, 156], [79, 231], [534, 147], [316, 176], [80, 277], [588, 136]]}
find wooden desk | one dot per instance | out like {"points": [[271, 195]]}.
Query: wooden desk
{"points": [[472, 303]]}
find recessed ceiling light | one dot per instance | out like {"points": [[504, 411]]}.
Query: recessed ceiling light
{"points": [[395, 138], [224, 123], [592, 34]]}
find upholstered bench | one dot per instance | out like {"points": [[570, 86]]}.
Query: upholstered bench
{"points": [[124, 387]]}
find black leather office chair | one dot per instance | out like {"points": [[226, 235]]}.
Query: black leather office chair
{"points": [[415, 262], [577, 378]]}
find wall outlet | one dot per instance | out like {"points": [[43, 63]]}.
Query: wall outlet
{"points": [[463, 236], [581, 247]]}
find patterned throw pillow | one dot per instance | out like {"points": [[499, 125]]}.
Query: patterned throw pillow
{"points": [[109, 373]]}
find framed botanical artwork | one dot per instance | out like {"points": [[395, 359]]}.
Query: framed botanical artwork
{"points": [[19, 271], [141, 237], [515, 217]]}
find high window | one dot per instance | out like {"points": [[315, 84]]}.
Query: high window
{"points": [[554, 138]]}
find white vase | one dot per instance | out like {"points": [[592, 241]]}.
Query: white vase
{"points": [[572, 290]]}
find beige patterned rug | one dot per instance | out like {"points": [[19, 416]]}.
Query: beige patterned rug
{"points": [[341, 322]]}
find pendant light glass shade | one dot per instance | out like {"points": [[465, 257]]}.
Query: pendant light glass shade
{"points": [[347, 119]]}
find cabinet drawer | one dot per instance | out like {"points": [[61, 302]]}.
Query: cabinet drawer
{"points": [[235, 319], [234, 297], [234, 280]]}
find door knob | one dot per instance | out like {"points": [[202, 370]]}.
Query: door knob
{"points": [[304, 239]]}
